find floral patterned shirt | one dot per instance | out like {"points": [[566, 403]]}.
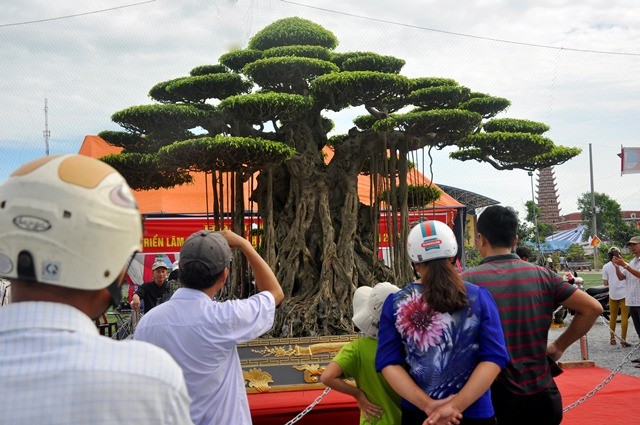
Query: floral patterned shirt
{"points": [[441, 350]]}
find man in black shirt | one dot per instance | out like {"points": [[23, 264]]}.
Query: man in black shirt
{"points": [[152, 293]]}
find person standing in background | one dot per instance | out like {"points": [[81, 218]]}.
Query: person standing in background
{"points": [[154, 292], [617, 294], [631, 274], [527, 296]]}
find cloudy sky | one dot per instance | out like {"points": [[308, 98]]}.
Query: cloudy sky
{"points": [[572, 64]]}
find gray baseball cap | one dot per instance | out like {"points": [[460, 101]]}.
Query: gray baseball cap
{"points": [[206, 247]]}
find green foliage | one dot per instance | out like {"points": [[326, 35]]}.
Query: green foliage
{"points": [[365, 122], [293, 83], [472, 255], [337, 139], [208, 86], [146, 172], [149, 119], [238, 59], [487, 106], [120, 138], [417, 196], [130, 142], [556, 156], [208, 69], [224, 153], [439, 97], [575, 253], [610, 225], [373, 62], [287, 74], [159, 91], [257, 108], [292, 32], [339, 90], [314, 52], [425, 83], [515, 126], [508, 151], [457, 123]]}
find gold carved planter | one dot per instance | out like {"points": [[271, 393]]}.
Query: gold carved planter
{"points": [[288, 364]]}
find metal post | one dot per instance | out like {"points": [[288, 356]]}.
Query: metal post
{"points": [[593, 211], [46, 133], [584, 345]]}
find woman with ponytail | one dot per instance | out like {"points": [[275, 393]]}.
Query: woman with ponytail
{"points": [[440, 343]]}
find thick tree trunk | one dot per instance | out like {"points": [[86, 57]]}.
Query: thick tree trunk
{"points": [[324, 248]]}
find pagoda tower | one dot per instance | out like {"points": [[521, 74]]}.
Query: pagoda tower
{"points": [[548, 198]]}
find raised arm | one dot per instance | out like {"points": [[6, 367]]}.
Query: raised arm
{"points": [[265, 279]]}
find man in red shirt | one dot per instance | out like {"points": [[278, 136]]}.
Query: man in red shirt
{"points": [[526, 295]]}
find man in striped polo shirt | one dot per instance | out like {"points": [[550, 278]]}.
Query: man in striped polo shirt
{"points": [[526, 295]]}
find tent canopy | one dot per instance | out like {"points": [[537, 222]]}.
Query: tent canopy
{"points": [[561, 241]]}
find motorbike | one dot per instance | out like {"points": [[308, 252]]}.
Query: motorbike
{"points": [[600, 293]]}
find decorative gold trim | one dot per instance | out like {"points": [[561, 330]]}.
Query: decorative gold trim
{"points": [[311, 372], [258, 379], [291, 387], [313, 349], [276, 351]]}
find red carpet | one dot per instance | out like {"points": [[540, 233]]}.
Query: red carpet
{"points": [[280, 408], [617, 403]]}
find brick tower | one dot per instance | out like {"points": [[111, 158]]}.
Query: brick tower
{"points": [[548, 198]]}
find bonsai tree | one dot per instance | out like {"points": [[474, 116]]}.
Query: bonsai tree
{"points": [[262, 109]]}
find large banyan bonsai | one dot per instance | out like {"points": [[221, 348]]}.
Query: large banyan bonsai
{"points": [[261, 109]]}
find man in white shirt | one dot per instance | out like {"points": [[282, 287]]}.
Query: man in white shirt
{"points": [[617, 294], [631, 273], [69, 225], [202, 334]]}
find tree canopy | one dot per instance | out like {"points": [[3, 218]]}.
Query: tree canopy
{"points": [[609, 223], [262, 109]]}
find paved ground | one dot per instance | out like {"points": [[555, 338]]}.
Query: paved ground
{"points": [[599, 350]]}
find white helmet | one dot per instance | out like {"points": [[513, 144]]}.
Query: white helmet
{"points": [[430, 240], [367, 306], [68, 220]]}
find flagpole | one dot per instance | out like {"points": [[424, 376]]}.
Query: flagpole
{"points": [[593, 211]]}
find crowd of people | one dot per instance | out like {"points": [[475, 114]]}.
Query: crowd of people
{"points": [[450, 348]]}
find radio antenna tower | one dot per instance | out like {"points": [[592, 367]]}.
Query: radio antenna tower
{"points": [[46, 131]]}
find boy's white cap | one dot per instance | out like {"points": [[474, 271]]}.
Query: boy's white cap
{"points": [[367, 306]]}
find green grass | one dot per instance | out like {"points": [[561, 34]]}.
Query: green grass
{"points": [[591, 278]]}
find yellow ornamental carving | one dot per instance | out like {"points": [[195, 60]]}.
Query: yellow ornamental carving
{"points": [[311, 372], [314, 349], [258, 379]]}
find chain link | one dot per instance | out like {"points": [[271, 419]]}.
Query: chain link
{"points": [[309, 407], [606, 380]]}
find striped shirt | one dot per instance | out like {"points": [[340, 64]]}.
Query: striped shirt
{"points": [[56, 369], [526, 296]]}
